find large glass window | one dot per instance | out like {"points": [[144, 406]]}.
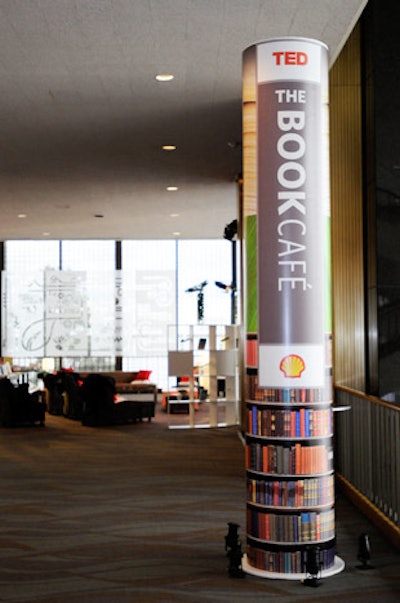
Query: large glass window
{"points": [[124, 313], [22, 301], [149, 304], [92, 256], [31, 256], [95, 259], [199, 262]]}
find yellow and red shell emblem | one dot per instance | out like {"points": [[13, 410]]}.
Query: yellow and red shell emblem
{"points": [[292, 366]]}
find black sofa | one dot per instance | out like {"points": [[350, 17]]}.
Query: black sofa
{"points": [[18, 407], [93, 398], [100, 406]]}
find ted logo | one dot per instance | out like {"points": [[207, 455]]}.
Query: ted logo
{"points": [[290, 58]]}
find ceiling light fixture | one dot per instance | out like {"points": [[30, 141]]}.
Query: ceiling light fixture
{"points": [[176, 234], [164, 77], [173, 215], [172, 188], [169, 147], [22, 215]]}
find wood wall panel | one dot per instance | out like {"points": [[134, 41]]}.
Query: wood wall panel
{"points": [[347, 216]]}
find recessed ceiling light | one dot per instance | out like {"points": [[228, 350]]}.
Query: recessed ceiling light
{"points": [[22, 215], [173, 215], [46, 234], [172, 188], [176, 234], [164, 77], [169, 147]]}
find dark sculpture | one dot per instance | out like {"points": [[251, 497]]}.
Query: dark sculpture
{"points": [[364, 552], [233, 546], [313, 567]]}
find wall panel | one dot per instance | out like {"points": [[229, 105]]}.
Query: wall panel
{"points": [[347, 216]]}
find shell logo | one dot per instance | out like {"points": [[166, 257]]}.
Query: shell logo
{"points": [[292, 366]]}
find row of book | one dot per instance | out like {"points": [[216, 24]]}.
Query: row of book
{"points": [[301, 423], [313, 526], [288, 562], [311, 492], [294, 459], [285, 395]]}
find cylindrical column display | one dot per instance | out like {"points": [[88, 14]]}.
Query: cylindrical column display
{"points": [[289, 458]]}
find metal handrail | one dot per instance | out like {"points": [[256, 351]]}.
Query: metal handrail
{"points": [[367, 448]]}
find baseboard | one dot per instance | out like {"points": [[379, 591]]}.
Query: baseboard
{"points": [[383, 523]]}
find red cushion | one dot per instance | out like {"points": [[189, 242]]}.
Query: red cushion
{"points": [[143, 375]]}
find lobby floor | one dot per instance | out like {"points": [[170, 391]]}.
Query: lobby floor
{"points": [[139, 513]]}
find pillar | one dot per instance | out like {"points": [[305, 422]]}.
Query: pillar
{"points": [[289, 452]]}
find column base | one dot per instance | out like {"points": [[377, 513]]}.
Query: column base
{"points": [[337, 567]]}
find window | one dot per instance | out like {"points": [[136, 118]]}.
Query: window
{"points": [[202, 261], [123, 312]]}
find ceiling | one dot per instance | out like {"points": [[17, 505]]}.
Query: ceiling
{"points": [[83, 119]]}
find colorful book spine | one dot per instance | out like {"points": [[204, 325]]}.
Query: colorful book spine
{"points": [[297, 459], [306, 527], [300, 423], [310, 492], [283, 395]]}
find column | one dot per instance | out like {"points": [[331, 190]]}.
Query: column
{"points": [[289, 452]]}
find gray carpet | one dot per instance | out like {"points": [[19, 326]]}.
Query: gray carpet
{"points": [[140, 512]]}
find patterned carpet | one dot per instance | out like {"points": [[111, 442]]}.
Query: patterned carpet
{"points": [[139, 513]]}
